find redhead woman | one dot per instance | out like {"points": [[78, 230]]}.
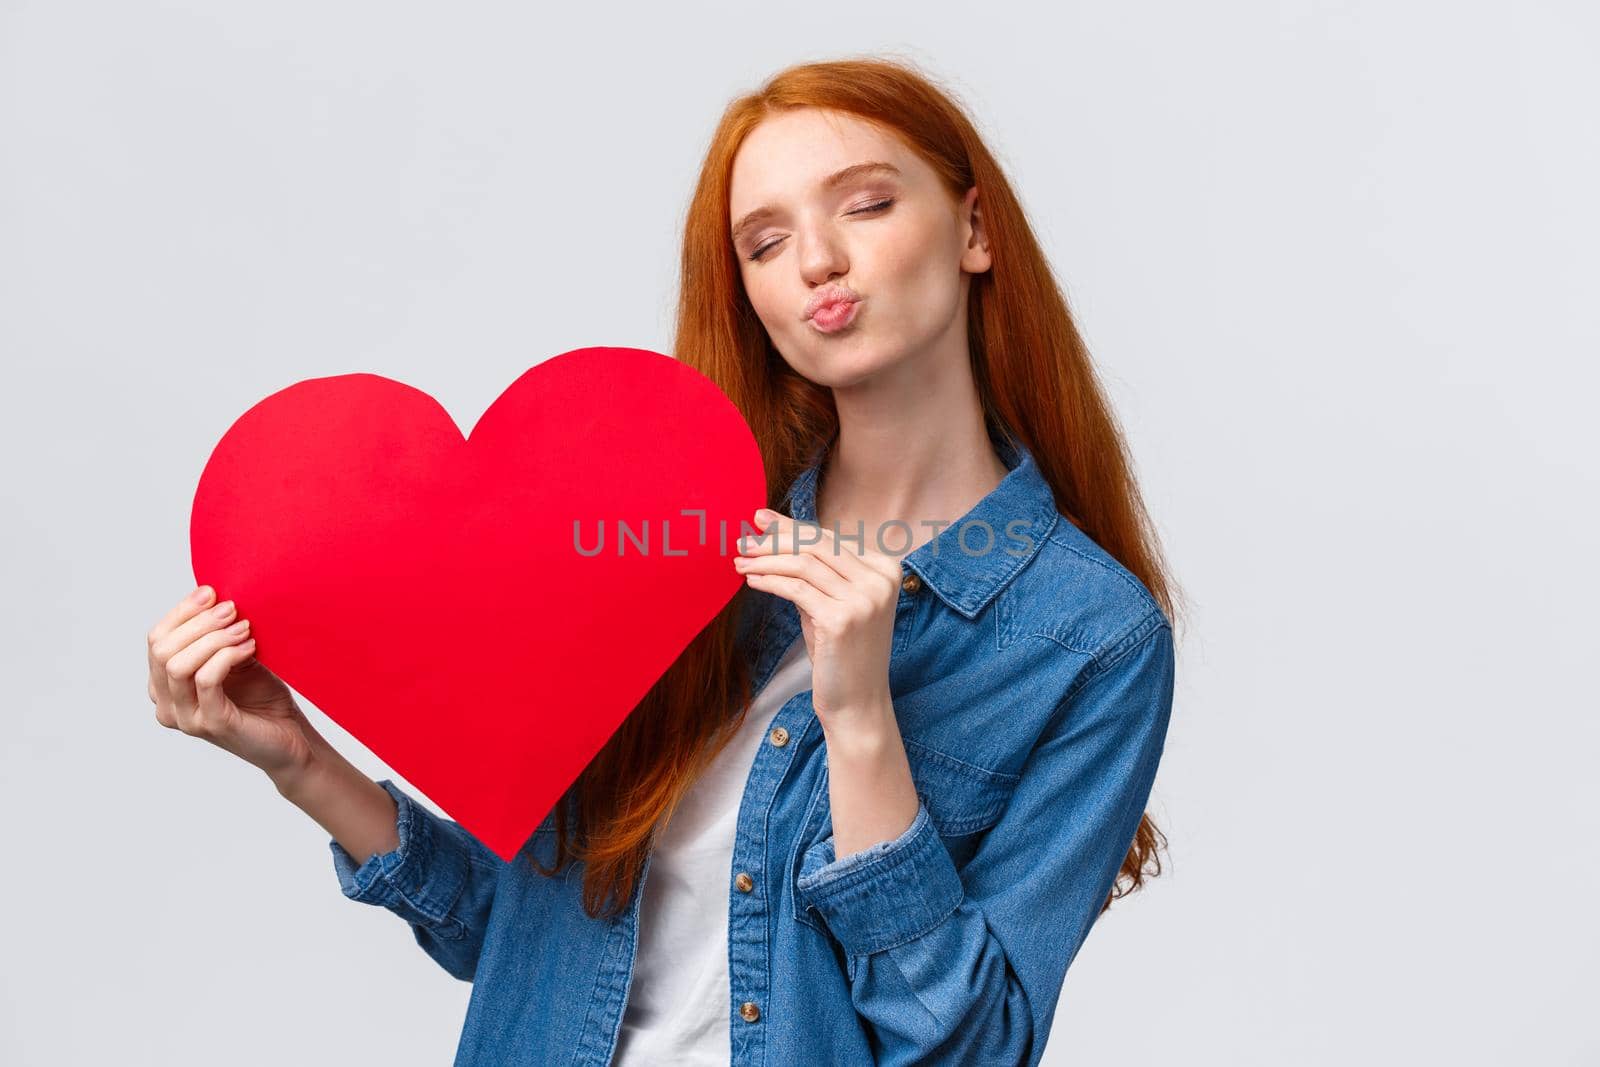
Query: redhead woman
{"points": [[872, 811]]}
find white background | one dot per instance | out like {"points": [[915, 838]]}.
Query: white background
{"points": [[1337, 263]]}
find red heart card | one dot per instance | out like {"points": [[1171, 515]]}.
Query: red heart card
{"points": [[482, 612]]}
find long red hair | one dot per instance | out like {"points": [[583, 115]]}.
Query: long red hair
{"points": [[1034, 378]]}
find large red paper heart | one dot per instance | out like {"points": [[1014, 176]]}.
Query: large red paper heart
{"points": [[430, 592]]}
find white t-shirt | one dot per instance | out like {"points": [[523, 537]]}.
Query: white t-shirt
{"points": [[680, 1006]]}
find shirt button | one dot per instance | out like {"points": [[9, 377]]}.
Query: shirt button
{"points": [[779, 736], [911, 583], [744, 882], [749, 1012]]}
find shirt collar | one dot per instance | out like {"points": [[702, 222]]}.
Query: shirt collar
{"points": [[966, 579]]}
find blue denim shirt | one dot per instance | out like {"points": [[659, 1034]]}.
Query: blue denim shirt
{"points": [[1033, 685]]}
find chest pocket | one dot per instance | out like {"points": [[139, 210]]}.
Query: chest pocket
{"points": [[963, 801]]}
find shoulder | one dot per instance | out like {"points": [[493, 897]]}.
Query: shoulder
{"points": [[1076, 595]]}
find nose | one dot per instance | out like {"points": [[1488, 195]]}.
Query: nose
{"points": [[821, 255]]}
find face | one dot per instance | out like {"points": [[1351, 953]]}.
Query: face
{"points": [[815, 222]]}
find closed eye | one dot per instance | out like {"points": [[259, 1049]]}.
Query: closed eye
{"points": [[870, 209]]}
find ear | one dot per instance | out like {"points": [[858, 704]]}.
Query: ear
{"points": [[975, 258]]}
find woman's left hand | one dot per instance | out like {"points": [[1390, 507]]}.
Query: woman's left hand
{"points": [[846, 599]]}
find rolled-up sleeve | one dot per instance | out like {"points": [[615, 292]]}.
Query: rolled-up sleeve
{"points": [[440, 879], [958, 967]]}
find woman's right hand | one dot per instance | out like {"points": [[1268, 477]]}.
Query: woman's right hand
{"points": [[206, 682]]}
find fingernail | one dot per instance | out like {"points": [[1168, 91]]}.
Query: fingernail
{"points": [[223, 610], [201, 595], [239, 627]]}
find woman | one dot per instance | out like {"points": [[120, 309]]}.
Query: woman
{"points": [[887, 791]]}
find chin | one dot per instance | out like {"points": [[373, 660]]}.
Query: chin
{"points": [[845, 367]]}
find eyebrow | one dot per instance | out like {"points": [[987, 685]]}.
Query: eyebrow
{"points": [[832, 181]]}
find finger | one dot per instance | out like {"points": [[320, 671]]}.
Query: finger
{"points": [[182, 666], [875, 568], [802, 593], [860, 559], [213, 709], [187, 632], [786, 536], [181, 636], [804, 566], [165, 715], [181, 612]]}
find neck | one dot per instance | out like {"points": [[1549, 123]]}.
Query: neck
{"points": [[920, 455]]}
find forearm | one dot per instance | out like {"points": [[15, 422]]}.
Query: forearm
{"points": [[355, 810], [392, 852], [870, 789]]}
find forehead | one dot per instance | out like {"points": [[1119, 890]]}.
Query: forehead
{"points": [[790, 153]]}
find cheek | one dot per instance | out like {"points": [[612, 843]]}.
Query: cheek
{"points": [[765, 298], [924, 270], [922, 249]]}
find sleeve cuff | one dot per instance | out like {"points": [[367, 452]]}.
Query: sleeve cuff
{"points": [[417, 879], [888, 893]]}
